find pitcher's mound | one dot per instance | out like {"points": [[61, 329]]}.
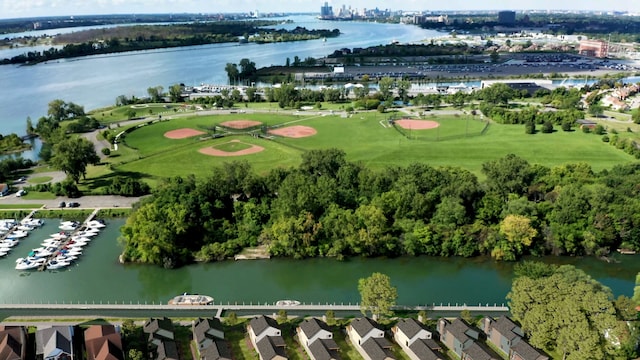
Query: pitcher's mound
{"points": [[297, 131], [417, 124], [240, 124], [183, 133]]}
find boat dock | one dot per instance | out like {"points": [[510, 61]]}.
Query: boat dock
{"points": [[80, 228]]}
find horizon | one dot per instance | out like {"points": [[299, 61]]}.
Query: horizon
{"points": [[11, 9]]}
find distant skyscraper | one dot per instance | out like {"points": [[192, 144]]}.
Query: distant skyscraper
{"points": [[507, 17], [326, 11]]}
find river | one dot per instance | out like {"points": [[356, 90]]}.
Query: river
{"points": [[96, 81], [98, 277]]}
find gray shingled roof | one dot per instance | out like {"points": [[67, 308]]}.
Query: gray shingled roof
{"points": [[167, 350], [410, 327], [432, 344], [261, 323], [362, 326], [53, 339], [423, 350], [324, 349], [202, 326], [476, 352], [527, 352], [458, 329], [218, 350], [506, 327], [312, 326], [153, 325], [270, 347], [378, 348]]}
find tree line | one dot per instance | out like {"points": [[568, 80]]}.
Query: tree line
{"points": [[330, 207]]}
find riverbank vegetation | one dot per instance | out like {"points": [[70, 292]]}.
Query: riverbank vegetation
{"points": [[330, 207], [572, 316], [146, 37]]}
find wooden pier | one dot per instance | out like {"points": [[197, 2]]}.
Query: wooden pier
{"points": [[80, 228]]}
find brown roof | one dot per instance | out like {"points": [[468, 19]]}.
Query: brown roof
{"points": [[10, 348], [103, 343], [528, 352]]}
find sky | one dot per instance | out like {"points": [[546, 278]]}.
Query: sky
{"points": [[32, 8]]}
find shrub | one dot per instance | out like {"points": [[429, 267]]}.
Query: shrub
{"points": [[566, 126], [106, 151], [599, 130], [547, 127], [605, 138]]}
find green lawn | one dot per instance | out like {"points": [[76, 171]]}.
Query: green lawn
{"points": [[148, 155], [39, 179], [35, 195], [20, 206], [232, 146]]}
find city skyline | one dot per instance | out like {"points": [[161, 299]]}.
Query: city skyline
{"points": [[39, 8]]}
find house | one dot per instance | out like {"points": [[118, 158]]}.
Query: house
{"points": [[507, 336], [55, 343], [103, 342], [266, 338], [4, 189], [415, 340], [457, 335], [13, 342], [317, 340], [369, 339], [209, 337], [477, 352], [161, 338]]}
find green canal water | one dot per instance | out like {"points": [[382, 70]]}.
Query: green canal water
{"points": [[98, 277]]}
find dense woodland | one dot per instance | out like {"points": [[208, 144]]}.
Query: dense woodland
{"points": [[144, 37], [330, 207]]}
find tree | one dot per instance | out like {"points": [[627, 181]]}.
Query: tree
{"points": [[175, 93], [530, 127], [232, 72], [155, 93], [30, 128], [547, 127], [568, 312], [508, 175], [596, 109], [73, 155], [385, 84], [378, 295], [106, 151], [635, 116]]}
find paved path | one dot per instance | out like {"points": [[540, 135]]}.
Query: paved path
{"points": [[89, 202]]}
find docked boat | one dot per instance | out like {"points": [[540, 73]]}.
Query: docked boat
{"points": [[191, 299], [25, 227], [287, 303], [95, 224], [9, 243], [89, 233], [57, 264], [32, 222], [27, 264], [59, 235], [17, 234], [68, 227]]}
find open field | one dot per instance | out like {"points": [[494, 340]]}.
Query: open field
{"points": [[365, 137]]}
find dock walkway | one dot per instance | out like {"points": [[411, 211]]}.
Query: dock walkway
{"points": [[79, 229]]}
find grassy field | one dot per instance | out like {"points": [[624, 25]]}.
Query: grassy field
{"points": [[365, 137]]}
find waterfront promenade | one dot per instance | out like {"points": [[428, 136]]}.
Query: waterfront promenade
{"points": [[219, 309]]}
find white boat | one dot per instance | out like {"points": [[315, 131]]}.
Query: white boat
{"points": [[32, 222], [76, 245], [44, 252], [8, 243], [27, 264], [25, 227], [287, 303], [59, 235], [88, 233], [57, 264], [3, 252], [68, 258], [70, 223], [74, 252], [54, 243], [17, 234], [68, 227], [96, 224], [191, 299], [81, 238]]}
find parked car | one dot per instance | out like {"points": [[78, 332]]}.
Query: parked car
{"points": [[62, 204], [21, 192], [73, 204]]}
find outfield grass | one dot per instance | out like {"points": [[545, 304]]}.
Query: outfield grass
{"points": [[148, 155], [232, 146], [37, 195]]}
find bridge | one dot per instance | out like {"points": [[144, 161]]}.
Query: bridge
{"points": [[219, 309]]}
